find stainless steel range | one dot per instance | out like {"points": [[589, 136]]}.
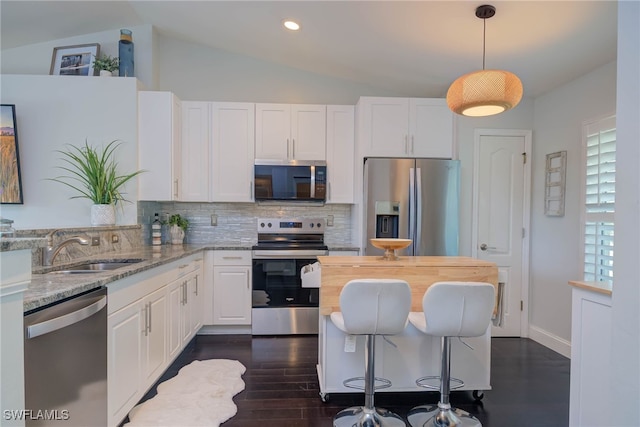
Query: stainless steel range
{"points": [[280, 303]]}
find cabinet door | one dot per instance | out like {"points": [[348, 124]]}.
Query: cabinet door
{"points": [[159, 134], [155, 336], [273, 131], [340, 153], [194, 182], [308, 132], [430, 128], [175, 297], [232, 127], [384, 125], [231, 295], [194, 287], [125, 344]]}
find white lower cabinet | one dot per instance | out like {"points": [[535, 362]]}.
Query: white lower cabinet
{"points": [[232, 288], [152, 316]]}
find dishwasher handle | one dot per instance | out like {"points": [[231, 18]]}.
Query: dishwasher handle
{"points": [[54, 324]]}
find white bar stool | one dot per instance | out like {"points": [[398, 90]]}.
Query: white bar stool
{"points": [[371, 307], [450, 309]]}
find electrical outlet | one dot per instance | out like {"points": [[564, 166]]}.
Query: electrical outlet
{"points": [[95, 241], [214, 220], [115, 238], [330, 221]]}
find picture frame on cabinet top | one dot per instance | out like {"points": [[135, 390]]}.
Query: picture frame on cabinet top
{"points": [[75, 60]]}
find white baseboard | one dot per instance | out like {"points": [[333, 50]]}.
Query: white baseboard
{"points": [[225, 330], [550, 340]]}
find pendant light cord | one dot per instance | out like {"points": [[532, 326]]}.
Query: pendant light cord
{"points": [[484, 40]]}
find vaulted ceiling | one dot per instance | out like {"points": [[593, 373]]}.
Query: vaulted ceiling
{"points": [[408, 46]]}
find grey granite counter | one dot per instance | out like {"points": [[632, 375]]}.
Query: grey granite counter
{"points": [[48, 287], [19, 243]]}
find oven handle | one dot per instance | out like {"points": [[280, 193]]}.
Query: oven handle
{"points": [[284, 254]]}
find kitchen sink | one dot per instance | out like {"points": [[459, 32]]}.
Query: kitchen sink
{"points": [[98, 266]]}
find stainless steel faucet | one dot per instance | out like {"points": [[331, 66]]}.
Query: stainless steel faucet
{"points": [[50, 252]]}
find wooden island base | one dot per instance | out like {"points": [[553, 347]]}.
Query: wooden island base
{"points": [[405, 357]]}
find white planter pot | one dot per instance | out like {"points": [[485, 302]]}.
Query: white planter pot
{"points": [[103, 215], [177, 235], [105, 73]]}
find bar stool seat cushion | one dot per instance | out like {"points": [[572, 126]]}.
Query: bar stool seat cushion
{"points": [[454, 309], [373, 307]]}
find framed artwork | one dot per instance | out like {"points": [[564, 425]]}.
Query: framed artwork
{"points": [[10, 180], [74, 60], [555, 175]]}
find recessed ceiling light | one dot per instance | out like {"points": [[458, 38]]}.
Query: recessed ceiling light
{"points": [[291, 25]]}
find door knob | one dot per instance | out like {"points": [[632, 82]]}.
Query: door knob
{"points": [[483, 247]]}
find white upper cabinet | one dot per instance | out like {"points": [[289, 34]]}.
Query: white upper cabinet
{"points": [[159, 140], [194, 182], [232, 128], [290, 132], [340, 153], [405, 127]]}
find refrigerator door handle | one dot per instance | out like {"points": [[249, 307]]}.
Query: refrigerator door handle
{"points": [[412, 204], [418, 193]]}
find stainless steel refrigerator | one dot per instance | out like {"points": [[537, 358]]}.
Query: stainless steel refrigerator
{"points": [[413, 199]]}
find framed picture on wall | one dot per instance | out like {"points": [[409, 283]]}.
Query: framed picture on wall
{"points": [[74, 60], [10, 179]]}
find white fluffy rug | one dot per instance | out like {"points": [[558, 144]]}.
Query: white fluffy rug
{"points": [[200, 395]]}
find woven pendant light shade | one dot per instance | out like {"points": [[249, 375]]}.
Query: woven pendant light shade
{"points": [[484, 93]]}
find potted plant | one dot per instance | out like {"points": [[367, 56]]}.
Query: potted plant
{"points": [[177, 226], [93, 172], [106, 64]]}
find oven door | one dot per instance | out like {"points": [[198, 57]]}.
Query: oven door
{"points": [[277, 283]]}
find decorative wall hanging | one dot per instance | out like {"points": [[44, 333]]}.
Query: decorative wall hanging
{"points": [[10, 179], [554, 188]]}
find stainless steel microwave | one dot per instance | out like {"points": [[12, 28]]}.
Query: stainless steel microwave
{"points": [[293, 180]]}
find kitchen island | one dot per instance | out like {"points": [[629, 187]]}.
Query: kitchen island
{"points": [[404, 357]]}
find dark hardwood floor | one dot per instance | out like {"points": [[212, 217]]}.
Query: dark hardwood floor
{"points": [[530, 384]]}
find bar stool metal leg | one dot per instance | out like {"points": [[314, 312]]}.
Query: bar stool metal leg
{"points": [[442, 414], [368, 415]]}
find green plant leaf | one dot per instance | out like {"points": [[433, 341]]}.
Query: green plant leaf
{"points": [[93, 173]]}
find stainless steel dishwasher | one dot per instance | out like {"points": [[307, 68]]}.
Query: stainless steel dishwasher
{"points": [[65, 355]]}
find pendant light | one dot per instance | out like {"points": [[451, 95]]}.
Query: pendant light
{"points": [[484, 92]]}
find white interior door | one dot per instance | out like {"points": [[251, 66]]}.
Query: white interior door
{"points": [[501, 219]]}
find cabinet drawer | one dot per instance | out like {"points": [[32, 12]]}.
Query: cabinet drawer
{"points": [[231, 258]]}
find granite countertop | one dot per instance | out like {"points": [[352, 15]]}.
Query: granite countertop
{"points": [[19, 243], [48, 287]]}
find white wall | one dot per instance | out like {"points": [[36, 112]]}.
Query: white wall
{"points": [[555, 241], [52, 111], [625, 351]]}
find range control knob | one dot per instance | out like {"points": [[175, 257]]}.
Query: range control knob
{"points": [[319, 225], [269, 225], [311, 225], [262, 224]]}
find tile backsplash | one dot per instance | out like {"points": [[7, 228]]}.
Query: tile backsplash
{"points": [[236, 222]]}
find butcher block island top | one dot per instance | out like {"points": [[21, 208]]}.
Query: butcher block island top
{"points": [[420, 272]]}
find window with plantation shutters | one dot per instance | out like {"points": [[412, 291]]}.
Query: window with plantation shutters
{"points": [[599, 149]]}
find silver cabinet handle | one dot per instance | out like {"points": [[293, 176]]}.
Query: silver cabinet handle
{"points": [[293, 148], [406, 144], [288, 157], [175, 188], [52, 325], [196, 291], [412, 146], [150, 311], [146, 319]]}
